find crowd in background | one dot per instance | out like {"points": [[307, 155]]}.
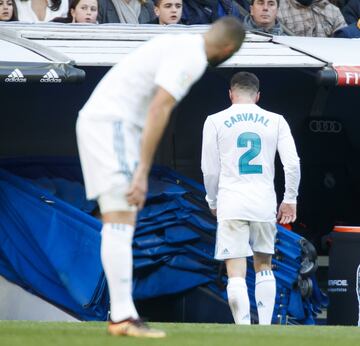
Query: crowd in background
{"points": [[315, 18]]}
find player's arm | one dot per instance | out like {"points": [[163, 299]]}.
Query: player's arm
{"points": [[157, 118], [291, 164], [210, 164]]}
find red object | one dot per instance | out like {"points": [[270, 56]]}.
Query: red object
{"points": [[348, 75], [286, 225], [347, 229]]}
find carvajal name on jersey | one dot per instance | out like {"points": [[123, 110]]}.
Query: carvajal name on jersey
{"points": [[246, 117]]}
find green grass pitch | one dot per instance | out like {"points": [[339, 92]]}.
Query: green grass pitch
{"points": [[19, 333]]}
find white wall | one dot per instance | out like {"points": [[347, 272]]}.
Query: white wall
{"points": [[17, 304]]}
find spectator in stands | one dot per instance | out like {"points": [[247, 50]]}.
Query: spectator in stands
{"points": [[41, 11], [351, 11], [80, 11], [167, 11], [207, 11], [126, 11], [262, 17], [350, 31], [317, 18], [8, 11]]}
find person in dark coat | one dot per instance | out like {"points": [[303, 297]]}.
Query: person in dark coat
{"points": [[207, 11], [126, 11], [262, 17], [351, 11], [350, 31]]}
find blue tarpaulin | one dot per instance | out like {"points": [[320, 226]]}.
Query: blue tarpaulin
{"points": [[50, 244], [51, 247]]}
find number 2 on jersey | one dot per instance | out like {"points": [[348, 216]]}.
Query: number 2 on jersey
{"points": [[255, 147]]}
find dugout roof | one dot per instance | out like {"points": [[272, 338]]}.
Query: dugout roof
{"points": [[107, 44]]}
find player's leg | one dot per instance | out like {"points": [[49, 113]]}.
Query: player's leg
{"points": [[107, 173], [116, 255], [237, 290], [232, 245], [263, 239]]}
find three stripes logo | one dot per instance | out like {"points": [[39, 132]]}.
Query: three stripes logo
{"points": [[260, 304], [15, 76], [226, 252], [51, 77]]}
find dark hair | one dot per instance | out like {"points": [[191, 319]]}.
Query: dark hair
{"points": [[14, 16], [68, 18], [54, 4], [245, 81], [72, 5], [277, 1], [157, 2]]}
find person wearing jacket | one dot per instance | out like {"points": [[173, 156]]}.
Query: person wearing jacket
{"points": [[316, 18], [262, 17], [350, 31], [126, 11], [351, 11]]}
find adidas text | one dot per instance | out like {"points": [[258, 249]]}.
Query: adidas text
{"points": [[15, 76], [15, 80], [51, 77]]}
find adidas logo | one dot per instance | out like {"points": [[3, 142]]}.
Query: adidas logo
{"points": [[260, 304], [15, 76], [246, 317], [226, 252], [51, 77]]}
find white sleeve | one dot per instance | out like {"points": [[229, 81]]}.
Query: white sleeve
{"points": [[210, 162], [177, 76], [290, 160]]}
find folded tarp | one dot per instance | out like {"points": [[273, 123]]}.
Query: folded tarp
{"points": [[51, 247], [188, 211]]}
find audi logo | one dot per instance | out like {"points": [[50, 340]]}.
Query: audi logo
{"points": [[325, 126]]}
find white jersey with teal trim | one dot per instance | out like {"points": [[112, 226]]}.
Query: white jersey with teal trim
{"points": [[238, 154], [173, 62]]}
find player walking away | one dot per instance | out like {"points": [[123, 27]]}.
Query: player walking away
{"points": [[238, 153], [118, 131]]}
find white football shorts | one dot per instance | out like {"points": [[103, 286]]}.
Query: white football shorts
{"points": [[109, 153], [238, 239]]}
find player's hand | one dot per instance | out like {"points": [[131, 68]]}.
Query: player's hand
{"points": [[287, 213], [213, 211], [138, 189]]}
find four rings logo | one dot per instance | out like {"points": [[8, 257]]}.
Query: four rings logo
{"points": [[325, 126]]}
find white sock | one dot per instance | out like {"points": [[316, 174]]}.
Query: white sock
{"points": [[116, 257], [239, 300], [265, 292]]}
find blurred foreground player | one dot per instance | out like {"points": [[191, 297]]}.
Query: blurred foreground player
{"points": [[118, 131]]}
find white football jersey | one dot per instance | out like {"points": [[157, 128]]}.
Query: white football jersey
{"points": [[238, 154], [174, 62]]}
